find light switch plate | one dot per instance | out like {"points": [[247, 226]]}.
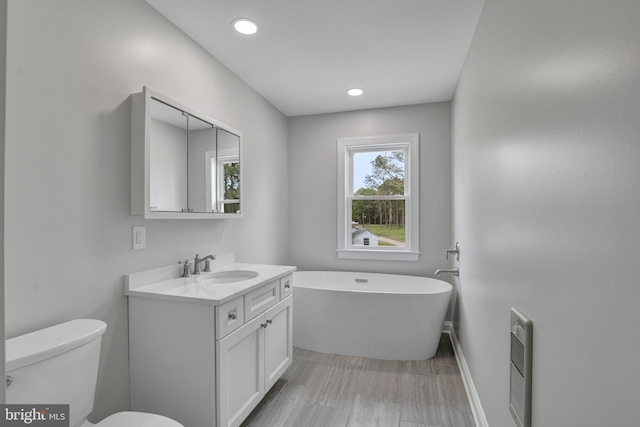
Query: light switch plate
{"points": [[139, 238]]}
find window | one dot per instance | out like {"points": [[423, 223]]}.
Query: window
{"points": [[378, 201], [226, 186]]}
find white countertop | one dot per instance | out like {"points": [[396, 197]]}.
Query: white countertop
{"points": [[166, 283]]}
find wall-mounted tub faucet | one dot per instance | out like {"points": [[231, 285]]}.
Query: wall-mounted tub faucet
{"points": [[452, 271], [197, 268], [455, 251]]}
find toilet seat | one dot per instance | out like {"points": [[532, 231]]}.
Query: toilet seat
{"points": [[137, 419]]}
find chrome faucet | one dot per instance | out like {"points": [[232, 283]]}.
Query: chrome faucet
{"points": [[197, 268], [452, 271], [185, 269]]}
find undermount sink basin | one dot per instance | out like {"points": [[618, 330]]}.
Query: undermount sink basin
{"points": [[231, 276]]}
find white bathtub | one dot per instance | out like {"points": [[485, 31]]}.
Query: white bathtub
{"points": [[382, 316]]}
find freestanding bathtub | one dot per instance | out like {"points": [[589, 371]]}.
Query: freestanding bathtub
{"points": [[381, 316]]}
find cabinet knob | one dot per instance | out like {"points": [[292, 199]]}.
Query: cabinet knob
{"points": [[287, 284], [266, 323], [233, 315]]}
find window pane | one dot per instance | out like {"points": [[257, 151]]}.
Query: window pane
{"points": [[230, 207], [378, 173], [378, 223], [231, 180]]}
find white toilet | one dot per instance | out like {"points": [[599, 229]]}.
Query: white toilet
{"points": [[59, 365]]}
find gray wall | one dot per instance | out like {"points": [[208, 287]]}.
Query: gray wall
{"points": [[71, 67], [546, 152], [3, 85], [313, 184]]}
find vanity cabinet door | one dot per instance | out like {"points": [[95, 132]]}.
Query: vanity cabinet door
{"points": [[240, 372], [250, 360], [278, 341]]}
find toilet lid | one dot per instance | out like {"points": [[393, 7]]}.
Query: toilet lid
{"points": [[137, 419]]}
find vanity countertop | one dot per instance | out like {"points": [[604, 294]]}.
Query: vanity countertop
{"points": [[166, 283]]}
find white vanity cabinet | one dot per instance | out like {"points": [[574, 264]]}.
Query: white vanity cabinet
{"points": [[208, 363], [250, 360]]}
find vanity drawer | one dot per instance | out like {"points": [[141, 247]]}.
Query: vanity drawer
{"points": [[286, 286], [229, 317], [258, 300]]}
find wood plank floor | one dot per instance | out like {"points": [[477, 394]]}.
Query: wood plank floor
{"points": [[328, 390]]}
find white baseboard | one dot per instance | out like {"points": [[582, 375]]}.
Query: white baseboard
{"points": [[474, 401]]}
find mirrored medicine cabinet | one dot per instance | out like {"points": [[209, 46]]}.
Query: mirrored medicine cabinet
{"points": [[183, 163]]}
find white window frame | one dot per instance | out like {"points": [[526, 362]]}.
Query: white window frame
{"points": [[410, 143], [214, 186], [221, 200]]}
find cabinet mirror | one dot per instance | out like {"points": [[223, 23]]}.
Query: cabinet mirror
{"points": [[184, 164]]}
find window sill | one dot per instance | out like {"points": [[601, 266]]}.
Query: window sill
{"points": [[378, 255]]}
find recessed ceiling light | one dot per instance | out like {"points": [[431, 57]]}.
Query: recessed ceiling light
{"points": [[355, 92], [245, 26]]}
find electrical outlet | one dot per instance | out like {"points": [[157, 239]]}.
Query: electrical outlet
{"points": [[139, 238]]}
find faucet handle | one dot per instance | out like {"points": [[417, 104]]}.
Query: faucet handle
{"points": [[207, 266], [197, 269], [454, 251], [185, 270]]}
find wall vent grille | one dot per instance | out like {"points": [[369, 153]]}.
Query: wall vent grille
{"points": [[517, 354], [520, 369]]}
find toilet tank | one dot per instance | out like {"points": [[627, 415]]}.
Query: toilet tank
{"points": [[56, 365]]}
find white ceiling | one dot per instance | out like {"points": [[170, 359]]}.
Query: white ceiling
{"points": [[306, 53]]}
